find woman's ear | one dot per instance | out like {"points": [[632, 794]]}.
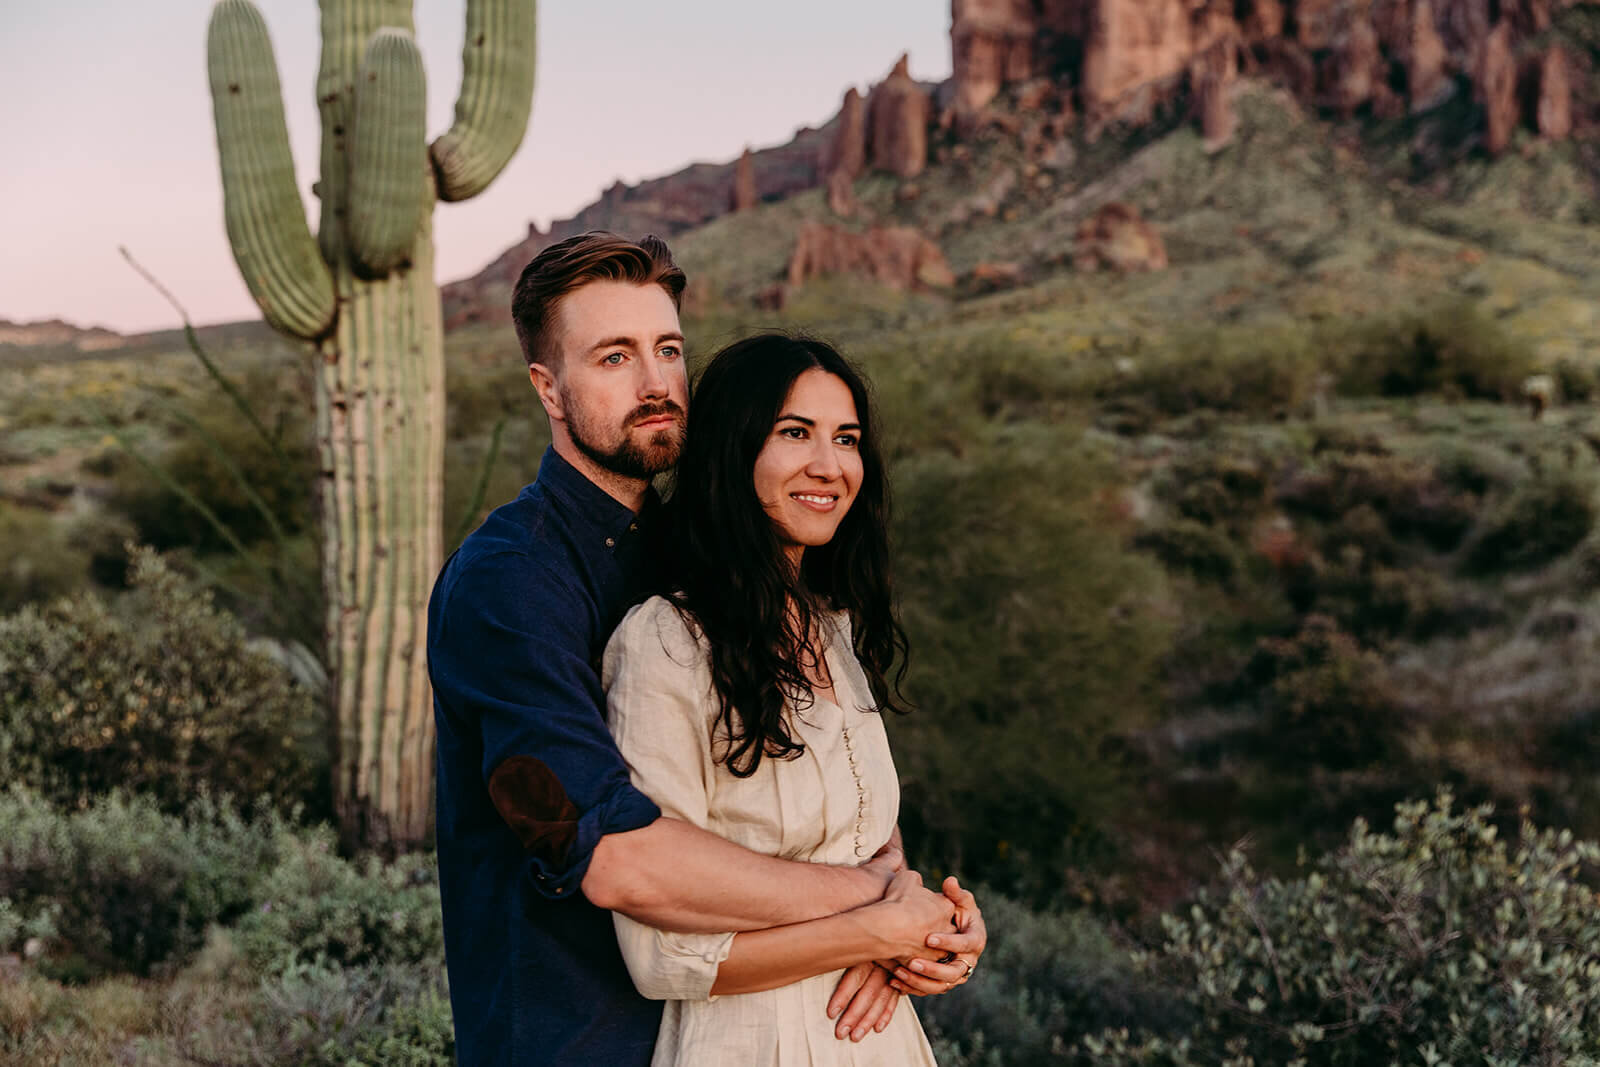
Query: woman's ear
{"points": [[544, 383]]}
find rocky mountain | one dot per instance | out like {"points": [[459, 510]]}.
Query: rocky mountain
{"points": [[1044, 74], [56, 333]]}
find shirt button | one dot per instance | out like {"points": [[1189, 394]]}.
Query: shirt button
{"points": [[633, 527], [611, 542], [558, 891]]}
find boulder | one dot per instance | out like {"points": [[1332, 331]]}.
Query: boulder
{"points": [[842, 195], [1262, 20], [1319, 24], [1117, 238], [1211, 78], [1353, 71], [898, 257], [993, 277], [991, 46], [847, 153], [1496, 88], [1131, 44], [744, 184], [1292, 67], [897, 123], [1555, 94], [1427, 84]]}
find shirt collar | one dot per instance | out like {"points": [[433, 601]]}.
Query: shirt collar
{"points": [[610, 518]]}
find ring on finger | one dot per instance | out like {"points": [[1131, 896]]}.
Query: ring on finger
{"points": [[967, 965]]}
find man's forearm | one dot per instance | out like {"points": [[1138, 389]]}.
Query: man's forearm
{"points": [[675, 876]]}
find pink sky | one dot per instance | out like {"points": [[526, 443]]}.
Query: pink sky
{"points": [[109, 141]]}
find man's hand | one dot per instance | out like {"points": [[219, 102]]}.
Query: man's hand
{"points": [[927, 977], [887, 862], [891, 856], [863, 1002]]}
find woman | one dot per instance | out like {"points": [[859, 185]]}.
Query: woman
{"points": [[747, 702]]}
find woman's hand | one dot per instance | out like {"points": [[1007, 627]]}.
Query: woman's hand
{"points": [[863, 1002], [926, 977]]}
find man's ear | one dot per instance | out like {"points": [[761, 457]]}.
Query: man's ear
{"points": [[544, 383]]}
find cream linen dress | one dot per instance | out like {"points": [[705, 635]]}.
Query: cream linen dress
{"points": [[837, 803]]}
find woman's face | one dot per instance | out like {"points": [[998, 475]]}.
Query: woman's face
{"points": [[809, 470]]}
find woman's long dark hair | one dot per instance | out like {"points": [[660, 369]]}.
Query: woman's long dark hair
{"points": [[725, 566]]}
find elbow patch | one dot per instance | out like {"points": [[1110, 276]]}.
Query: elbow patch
{"points": [[532, 801]]}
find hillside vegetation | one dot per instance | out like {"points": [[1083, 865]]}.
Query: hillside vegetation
{"points": [[1242, 550]]}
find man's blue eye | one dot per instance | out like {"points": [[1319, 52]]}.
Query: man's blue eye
{"points": [[614, 358], [670, 352]]}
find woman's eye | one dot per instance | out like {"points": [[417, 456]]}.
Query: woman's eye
{"points": [[797, 433], [848, 440]]}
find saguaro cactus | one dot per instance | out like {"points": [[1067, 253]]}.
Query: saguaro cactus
{"points": [[362, 291]]}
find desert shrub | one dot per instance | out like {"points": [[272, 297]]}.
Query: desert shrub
{"points": [[1413, 499], [1048, 979], [1191, 547], [1575, 382], [1433, 944], [1260, 371], [316, 908], [1547, 516], [199, 459], [40, 560], [125, 886], [1452, 348], [156, 693], [318, 1015], [1327, 699], [1035, 634]]}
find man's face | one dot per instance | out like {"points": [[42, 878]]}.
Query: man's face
{"points": [[621, 387]]}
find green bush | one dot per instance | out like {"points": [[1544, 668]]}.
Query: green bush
{"points": [[1035, 636], [199, 459], [1259, 371], [41, 561], [121, 885], [1434, 944], [156, 693], [1452, 348], [1328, 701], [1048, 978], [1191, 547], [316, 908], [326, 1016], [1545, 518]]}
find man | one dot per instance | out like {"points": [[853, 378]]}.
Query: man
{"points": [[539, 829]]}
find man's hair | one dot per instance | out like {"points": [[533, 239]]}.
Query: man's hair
{"points": [[567, 265]]}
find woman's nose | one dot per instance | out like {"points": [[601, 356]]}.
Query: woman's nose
{"points": [[823, 463]]}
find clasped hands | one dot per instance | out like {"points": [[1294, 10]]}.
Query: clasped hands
{"points": [[929, 928]]}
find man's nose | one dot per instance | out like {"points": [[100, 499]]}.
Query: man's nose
{"points": [[652, 382]]}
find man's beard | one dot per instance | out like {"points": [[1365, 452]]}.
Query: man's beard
{"points": [[628, 457]]}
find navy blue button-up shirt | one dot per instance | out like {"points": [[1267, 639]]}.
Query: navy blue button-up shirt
{"points": [[530, 779]]}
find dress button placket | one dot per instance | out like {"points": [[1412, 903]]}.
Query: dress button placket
{"points": [[861, 793]]}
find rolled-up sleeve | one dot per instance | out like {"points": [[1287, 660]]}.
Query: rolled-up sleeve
{"points": [[660, 706], [510, 654]]}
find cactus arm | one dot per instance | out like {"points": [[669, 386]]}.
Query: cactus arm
{"points": [[389, 190], [265, 217], [497, 68]]}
